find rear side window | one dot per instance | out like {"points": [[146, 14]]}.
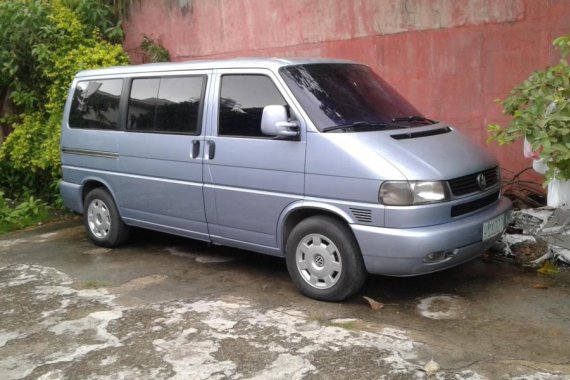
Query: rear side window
{"points": [[242, 100], [95, 104], [169, 105]]}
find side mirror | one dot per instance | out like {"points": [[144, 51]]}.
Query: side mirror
{"points": [[274, 122]]}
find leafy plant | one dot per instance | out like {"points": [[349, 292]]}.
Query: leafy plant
{"points": [[540, 112], [42, 45], [154, 51], [23, 214]]}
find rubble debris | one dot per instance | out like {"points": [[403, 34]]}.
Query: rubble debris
{"points": [[536, 235], [557, 229], [533, 252], [532, 199], [523, 189], [531, 220]]}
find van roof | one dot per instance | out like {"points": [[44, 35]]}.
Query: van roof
{"points": [[236, 63]]}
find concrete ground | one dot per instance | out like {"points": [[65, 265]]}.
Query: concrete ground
{"points": [[164, 307]]}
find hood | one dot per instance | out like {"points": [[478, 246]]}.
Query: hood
{"points": [[434, 152]]}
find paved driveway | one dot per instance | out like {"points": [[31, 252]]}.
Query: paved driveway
{"points": [[163, 307]]}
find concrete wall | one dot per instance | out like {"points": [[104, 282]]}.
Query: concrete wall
{"points": [[451, 58]]}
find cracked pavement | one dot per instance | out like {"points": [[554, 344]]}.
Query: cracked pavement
{"points": [[164, 307]]}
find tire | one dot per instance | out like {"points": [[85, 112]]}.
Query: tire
{"points": [[324, 260], [102, 220]]}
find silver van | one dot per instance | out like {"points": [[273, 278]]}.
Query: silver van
{"points": [[318, 161]]}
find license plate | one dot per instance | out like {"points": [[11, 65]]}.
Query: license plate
{"points": [[493, 227]]}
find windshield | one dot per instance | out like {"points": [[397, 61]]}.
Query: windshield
{"points": [[349, 95]]}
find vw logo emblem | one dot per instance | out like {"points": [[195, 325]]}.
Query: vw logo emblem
{"points": [[481, 181]]}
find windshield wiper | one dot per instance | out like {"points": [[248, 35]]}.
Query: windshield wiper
{"points": [[413, 118], [362, 124]]}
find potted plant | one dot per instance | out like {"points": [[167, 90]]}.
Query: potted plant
{"points": [[540, 110]]}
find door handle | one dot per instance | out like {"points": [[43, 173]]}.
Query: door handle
{"points": [[195, 148], [211, 149]]}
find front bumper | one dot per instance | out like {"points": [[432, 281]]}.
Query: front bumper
{"points": [[401, 252]]}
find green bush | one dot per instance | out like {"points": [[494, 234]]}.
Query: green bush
{"points": [[43, 44], [540, 110]]}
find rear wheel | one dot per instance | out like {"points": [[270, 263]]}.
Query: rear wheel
{"points": [[102, 221], [323, 259]]}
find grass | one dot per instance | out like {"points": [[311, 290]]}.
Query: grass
{"points": [[94, 284], [323, 321], [351, 326]]}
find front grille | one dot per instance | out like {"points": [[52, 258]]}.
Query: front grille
{"points": [[468, 184], [468, 207], [362, 215]]}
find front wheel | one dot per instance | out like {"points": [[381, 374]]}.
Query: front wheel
{"points": [[102, 220], [324, 260]]}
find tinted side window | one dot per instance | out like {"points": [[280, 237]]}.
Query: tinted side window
{"points": [[142, 104], [165, 104], [95, 104], [242, 100], [178, 104]]}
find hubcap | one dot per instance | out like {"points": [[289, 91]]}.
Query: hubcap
{"points": [[99, 218], [318, 261]]}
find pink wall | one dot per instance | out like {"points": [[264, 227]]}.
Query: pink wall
{"points": [[451, 58]]}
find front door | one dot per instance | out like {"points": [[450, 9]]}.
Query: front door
{"points": [[250, 177]]}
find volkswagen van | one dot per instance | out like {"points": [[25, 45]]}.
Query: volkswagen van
{"points": [[318, 161]]}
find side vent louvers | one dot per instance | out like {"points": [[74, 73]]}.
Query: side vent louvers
{"points": [[415, 135], [362, 215]]}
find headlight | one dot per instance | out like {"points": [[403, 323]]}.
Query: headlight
{"points": [[407, 193]]}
